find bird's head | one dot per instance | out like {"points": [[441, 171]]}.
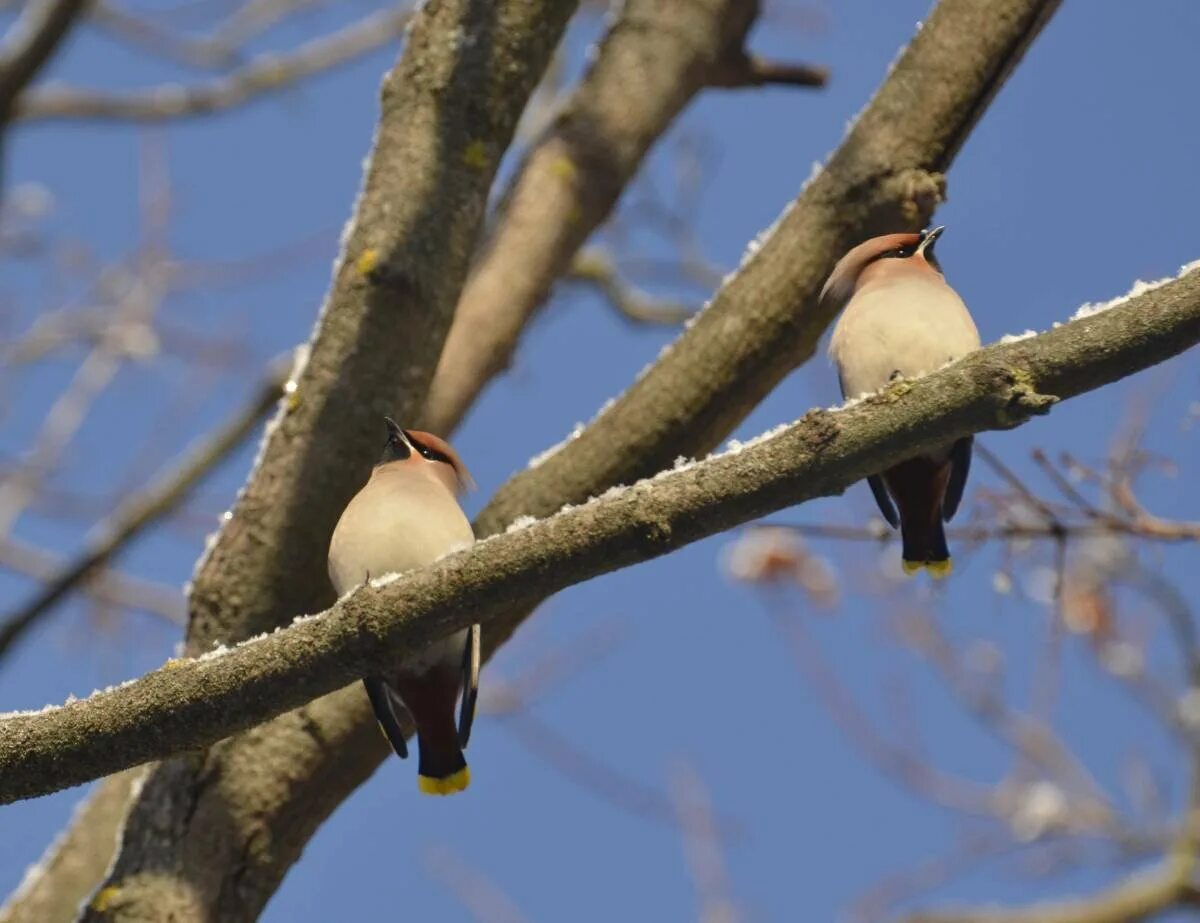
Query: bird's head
{"points": [[413, 447], [879, 257]]}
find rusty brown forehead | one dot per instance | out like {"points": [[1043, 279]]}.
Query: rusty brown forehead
{"points": [[869, 249], [840, 285], [442, 447]]}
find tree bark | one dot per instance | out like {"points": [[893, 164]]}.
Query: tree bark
{"points": [[193, 703]]}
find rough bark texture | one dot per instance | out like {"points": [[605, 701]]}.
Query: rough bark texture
{"points": [[448, 110], [956, 65], [653, 60], [66, 875], [887, 175], [193, 848], [192, 703]]}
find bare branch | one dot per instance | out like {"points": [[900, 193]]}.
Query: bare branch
{"points": [[594, 267], [654, 59], [886, 175], [961, 58], [743, 70], [1138, 898], [108, 586], [143, 508], [191, 703], [266, 73], [30, 43], [67, 873], [448, 112]]}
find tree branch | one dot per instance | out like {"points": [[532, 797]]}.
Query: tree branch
{"points": [[31, 42], [962, 55], [192, 703], [1138, 898], [449, 109], [143, 509], [653, 60], [67, 873], [765, 320], [266, 73]]}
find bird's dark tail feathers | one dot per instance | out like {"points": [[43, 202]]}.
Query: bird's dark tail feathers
{"points": [[430, 698], [918, 486]]}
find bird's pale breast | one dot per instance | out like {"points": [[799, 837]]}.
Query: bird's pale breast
{"points": [[910, 326]]}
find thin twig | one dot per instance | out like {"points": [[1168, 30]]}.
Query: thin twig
{"points": [[143, 509], [266, 73]]}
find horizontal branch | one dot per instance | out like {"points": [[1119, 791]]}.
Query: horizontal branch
{"points": [[266, 73], [192, 703]]}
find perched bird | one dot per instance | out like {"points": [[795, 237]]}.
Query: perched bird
{"points": [[405, 517], [901, 320]]}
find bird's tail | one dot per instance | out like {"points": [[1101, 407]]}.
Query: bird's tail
{"points": [[918, 486], [442, 768], [430, 698], [925, 547]]}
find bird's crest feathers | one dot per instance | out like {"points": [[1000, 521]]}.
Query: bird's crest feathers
{"points": [[840, 285]]}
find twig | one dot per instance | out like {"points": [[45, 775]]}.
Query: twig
{"points": [[266, 73], [108, 586], [595, 268], [744, 70], [141, 510]]}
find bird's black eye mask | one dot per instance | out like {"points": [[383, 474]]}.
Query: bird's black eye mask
{"points": [[427, 451]]}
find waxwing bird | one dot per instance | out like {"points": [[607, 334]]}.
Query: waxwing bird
{"points": [[901, 320], [405, 517]]}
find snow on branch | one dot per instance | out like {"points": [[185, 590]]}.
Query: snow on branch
{"points": [[192, 703]]}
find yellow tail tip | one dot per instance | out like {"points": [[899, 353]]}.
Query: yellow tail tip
{"points": [[938, 570], [447, 786]]}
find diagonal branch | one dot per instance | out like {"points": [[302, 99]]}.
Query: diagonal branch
{"points": [[329, 747], [765, 320], [31, 42], [655, 58], [1140, 897], [192, 703], [448, 112], [143, 509]]}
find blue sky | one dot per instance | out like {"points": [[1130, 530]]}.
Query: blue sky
{"points": [[1080, 179]]}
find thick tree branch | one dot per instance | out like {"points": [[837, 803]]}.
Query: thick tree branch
{"points": [[67, 873], [886, 175], [654, 59], [961, 57], [191, 703], [195, 852], [955, 66]]}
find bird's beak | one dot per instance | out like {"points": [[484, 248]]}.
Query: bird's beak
{"points": [[925, 247], [395, 433]]}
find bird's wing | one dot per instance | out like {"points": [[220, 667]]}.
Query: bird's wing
{"points": [[960, 467], [384, 702], [470, 683], [886, 507]]}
